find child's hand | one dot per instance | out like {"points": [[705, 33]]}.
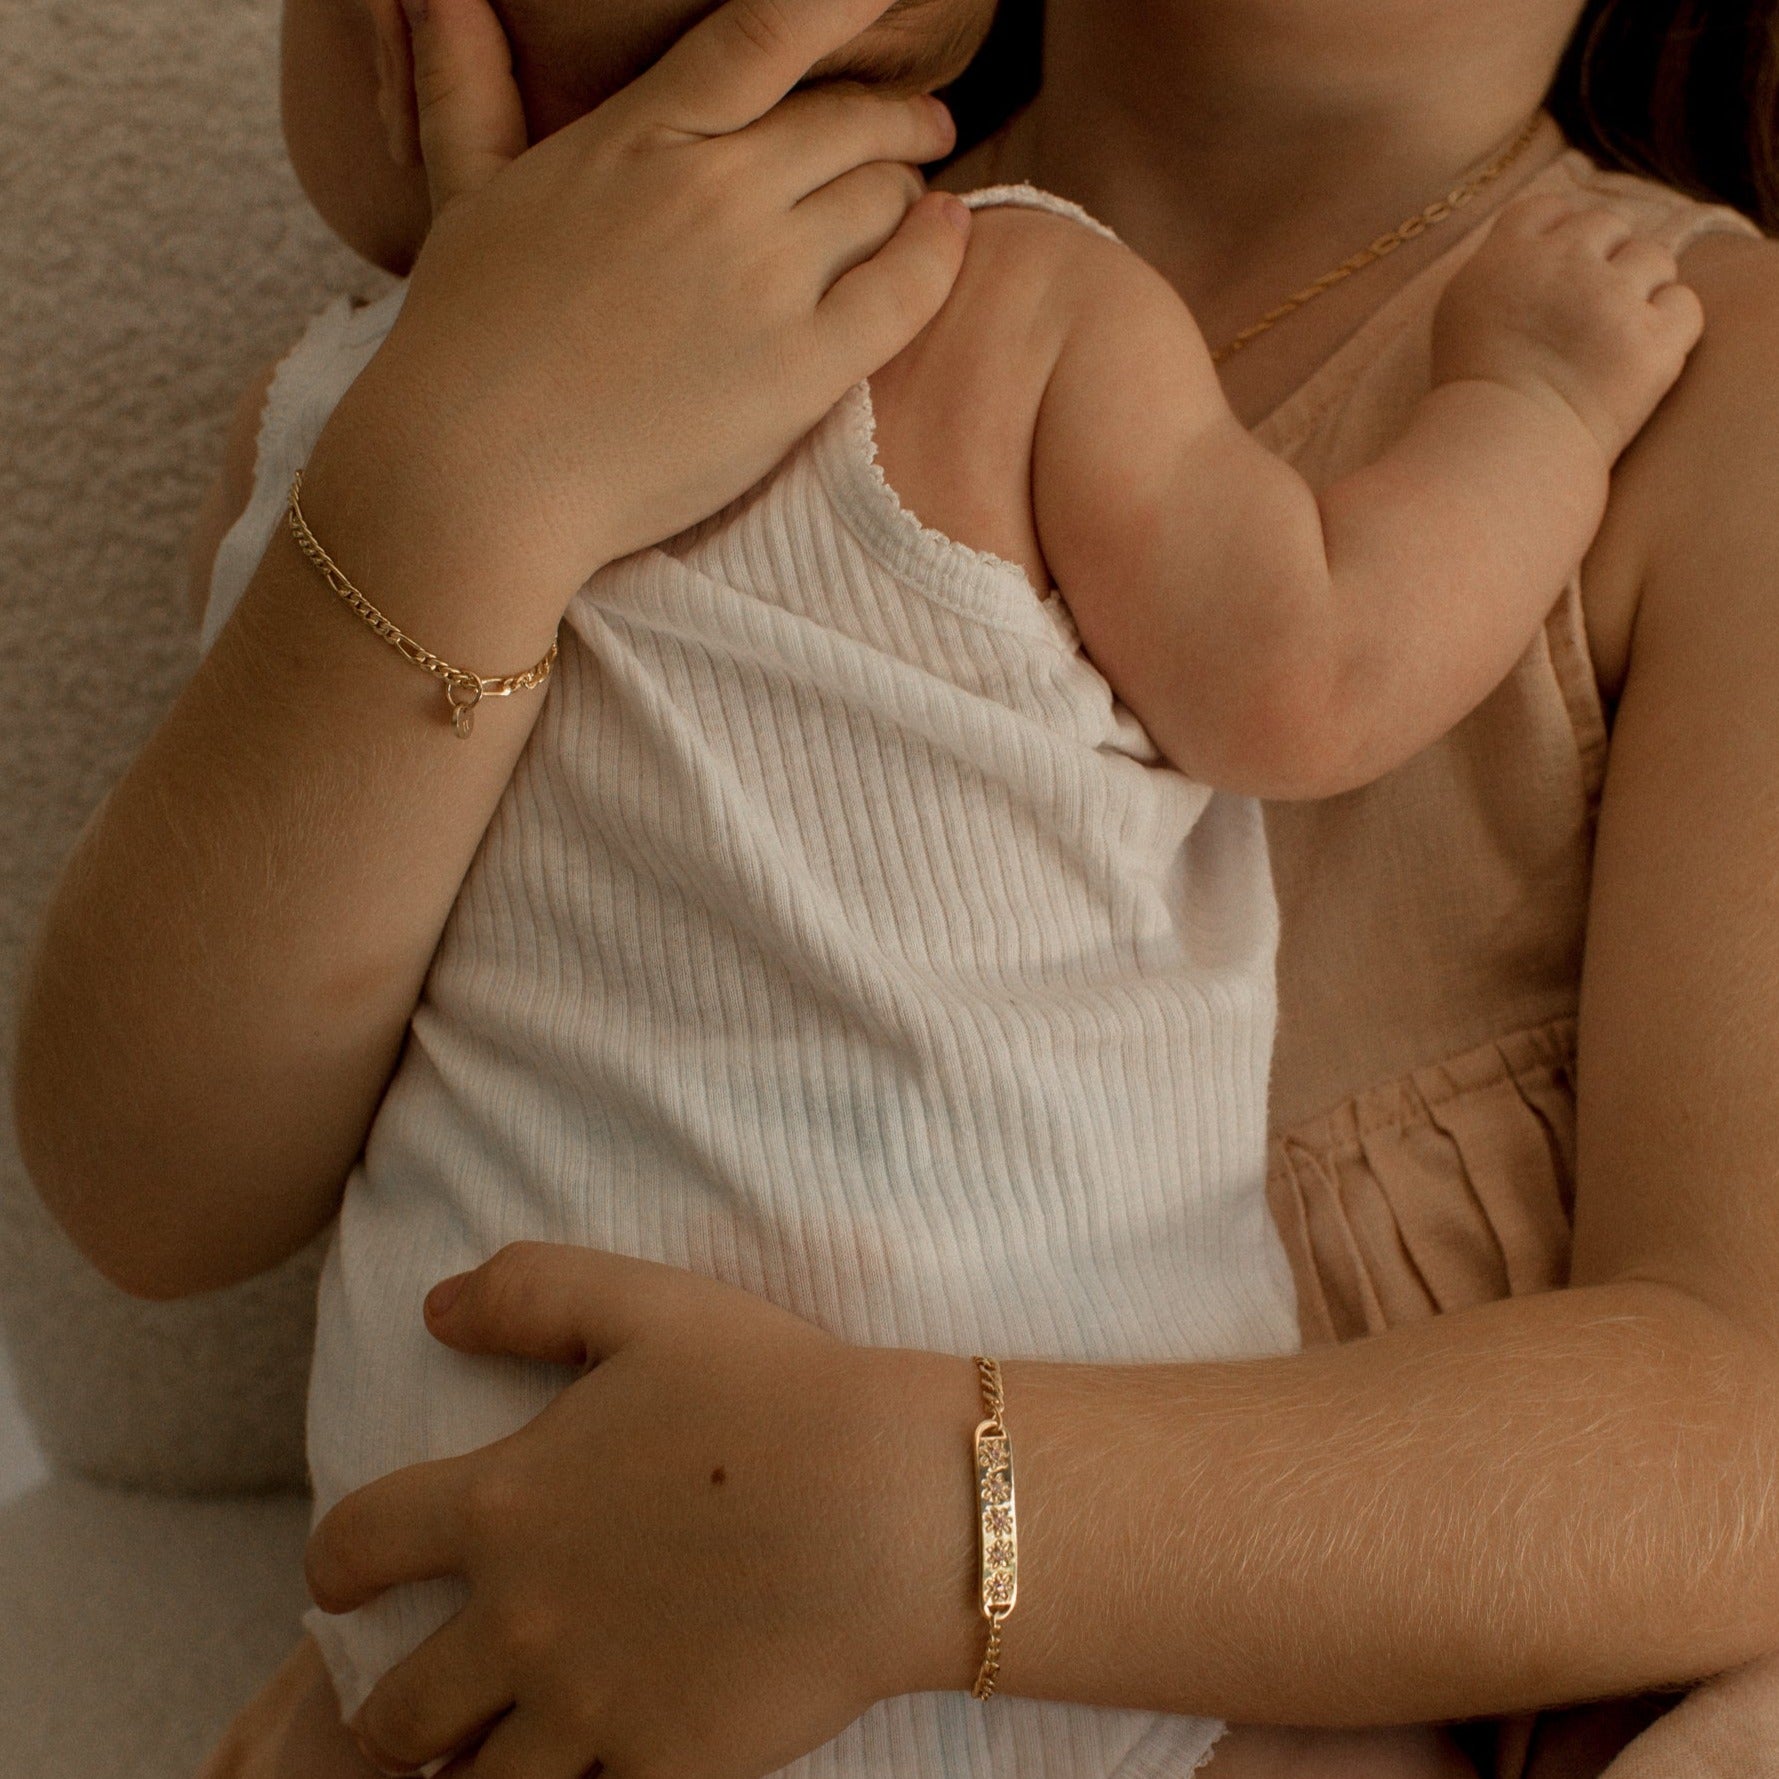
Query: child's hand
{"points": [[1570, 307], [705, 1558], [612, 334]]}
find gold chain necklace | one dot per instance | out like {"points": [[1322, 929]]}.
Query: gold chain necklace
{"points": [[1435, 213]]}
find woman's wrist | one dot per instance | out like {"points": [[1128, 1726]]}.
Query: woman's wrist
{"points": [[415, 523], [920, 1628]]}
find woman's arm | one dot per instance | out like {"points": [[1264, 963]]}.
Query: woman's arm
{"points": [[231, 958], [1526, 1504], [1555, 1497], [1518, 1507]]}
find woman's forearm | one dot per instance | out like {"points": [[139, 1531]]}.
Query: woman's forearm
{"points": [[1529, 1503], [230, 961]]}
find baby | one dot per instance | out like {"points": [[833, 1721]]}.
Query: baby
{"points": [[880, 918]]}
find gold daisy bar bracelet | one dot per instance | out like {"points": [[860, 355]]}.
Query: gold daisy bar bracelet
{"points": [[463, 690], [999, 1529]]}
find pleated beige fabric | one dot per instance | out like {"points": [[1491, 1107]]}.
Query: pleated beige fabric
{"points": [[1423, 1093]]}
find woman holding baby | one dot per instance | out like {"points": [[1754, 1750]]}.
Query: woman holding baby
{"points": [[1529, 983]]}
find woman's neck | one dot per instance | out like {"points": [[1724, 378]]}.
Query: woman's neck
{"points": [[1244, 147]]}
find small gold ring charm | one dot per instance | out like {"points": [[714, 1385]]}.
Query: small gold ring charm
{"points": [[463, 689], [463, 698]]}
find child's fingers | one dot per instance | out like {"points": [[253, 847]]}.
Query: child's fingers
{"points": [[731, 69], [1681, 310], [816, 137], [1537, 215], [877, 308], [472, 121], [1597, 230], [1645, 263], [855, 217], [440, 1697]]}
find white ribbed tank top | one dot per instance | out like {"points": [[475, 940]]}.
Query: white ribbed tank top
{"points": [[842, 937]]}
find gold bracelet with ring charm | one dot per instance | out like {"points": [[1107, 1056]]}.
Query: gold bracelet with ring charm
{"points": [[997, 1526], [463, 690]]}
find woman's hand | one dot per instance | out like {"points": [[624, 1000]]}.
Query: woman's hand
{"points": [[711, 1553], [611, 335], [607, 337]]}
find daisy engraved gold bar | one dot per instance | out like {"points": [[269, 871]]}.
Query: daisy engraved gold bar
{"points": [[998, 1522]]}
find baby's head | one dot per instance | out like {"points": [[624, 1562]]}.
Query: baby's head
{"points": [[571, 54], [568, 56]]}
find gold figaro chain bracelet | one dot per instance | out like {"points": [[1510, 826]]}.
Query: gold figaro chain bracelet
{"points": [[998, 1527], [463, 690]]}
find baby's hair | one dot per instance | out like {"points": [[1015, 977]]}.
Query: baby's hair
{"points": [[585, 49], [917, 60]]}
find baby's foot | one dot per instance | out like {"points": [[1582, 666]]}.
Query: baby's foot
{"points": [[1570, 306]]}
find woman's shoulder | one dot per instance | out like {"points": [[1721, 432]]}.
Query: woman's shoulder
{"points": [[1706, 469], [1734, 268]]}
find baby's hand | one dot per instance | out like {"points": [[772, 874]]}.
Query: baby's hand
{"points": [[1572, 307]]}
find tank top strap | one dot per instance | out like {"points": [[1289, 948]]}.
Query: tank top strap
{"points": [[1031, 197]]}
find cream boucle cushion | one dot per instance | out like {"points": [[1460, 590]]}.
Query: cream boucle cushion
{"points": [[135, 1626], [154, 252]]}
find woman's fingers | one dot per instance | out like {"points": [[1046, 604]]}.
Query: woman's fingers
{"points": [[525, 1746], [854, 217], [816, 137], [564, 1305], [472, 121], [732, 68], [403, 1527], [441, 1697], [878, 307]]}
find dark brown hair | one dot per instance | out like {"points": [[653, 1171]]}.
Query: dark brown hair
{"points": [[1004, 78], [1684, 90]]}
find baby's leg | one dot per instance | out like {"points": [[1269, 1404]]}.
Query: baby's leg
{"points": [[1254, 1751], [292, 1730]]}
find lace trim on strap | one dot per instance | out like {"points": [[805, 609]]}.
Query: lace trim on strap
{"points": [[1031, 197], [1451, 1187], [975, 584]]}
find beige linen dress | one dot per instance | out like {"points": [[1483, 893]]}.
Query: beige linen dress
{"points": [[1423, 1100]]}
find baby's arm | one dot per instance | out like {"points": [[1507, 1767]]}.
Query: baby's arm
{"points": [[1287, 644]]}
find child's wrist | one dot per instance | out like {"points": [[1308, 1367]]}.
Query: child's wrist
{"points": [[1544, 411]]}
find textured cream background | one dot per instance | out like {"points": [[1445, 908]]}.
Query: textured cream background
{"points": [[154, 251], [21, 1459]]}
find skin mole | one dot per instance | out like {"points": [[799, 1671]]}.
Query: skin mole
{"points": [[719, 1475]]}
